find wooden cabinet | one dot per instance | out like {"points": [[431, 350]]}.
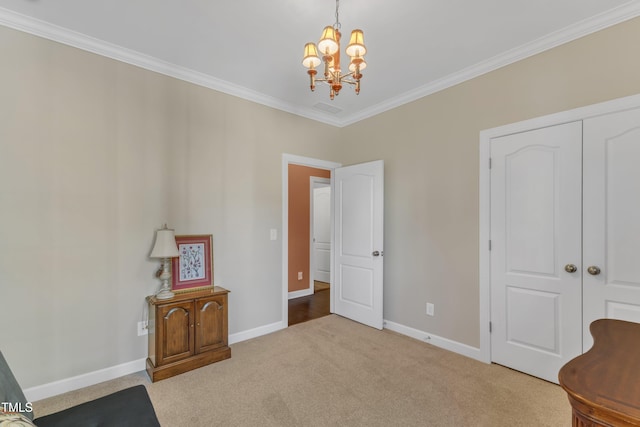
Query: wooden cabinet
{"points": [[186, 332]]}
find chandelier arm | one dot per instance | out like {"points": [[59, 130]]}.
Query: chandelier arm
{"points": [[347, 75], [332, 75]]}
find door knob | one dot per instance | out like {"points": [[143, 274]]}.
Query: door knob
{"points": [[593, 270], [376, 253], [570, 268]]}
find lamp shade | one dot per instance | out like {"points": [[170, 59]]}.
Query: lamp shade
{"points": [[356, 44], [165, 246], [328, 43], [311, 59]]}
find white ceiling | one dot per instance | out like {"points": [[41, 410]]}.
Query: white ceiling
{"points": [[253, 48]]}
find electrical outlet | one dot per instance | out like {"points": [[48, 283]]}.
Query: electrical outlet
{"points": [[430, 309], [142, 329], [299, 275]]}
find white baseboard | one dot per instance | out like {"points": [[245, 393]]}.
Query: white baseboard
{"points": [[256, 332], [69, 384], [85, 380], [447, 344], [300, 293]]}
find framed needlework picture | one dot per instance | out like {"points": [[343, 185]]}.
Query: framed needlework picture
{"points": [[193, 269]]}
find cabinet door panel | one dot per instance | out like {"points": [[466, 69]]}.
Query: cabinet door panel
{"points": [[211, 323], [176, 330]]}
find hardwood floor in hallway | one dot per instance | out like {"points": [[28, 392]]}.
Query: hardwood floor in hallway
{"points": [[310, 307]]}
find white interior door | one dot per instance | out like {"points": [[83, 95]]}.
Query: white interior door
{"points": [[535, 232], [358, 251], [320, 230], [611, 218]]}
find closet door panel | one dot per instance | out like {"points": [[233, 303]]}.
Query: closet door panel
{"points": [[611, 212], [536, 196]]}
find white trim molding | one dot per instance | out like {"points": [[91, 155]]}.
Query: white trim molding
{"points": [[583, 28], [582, 113], [447, 344], [37, 27], [85, 380], [256, 332], [27, 24], [300, 293]]}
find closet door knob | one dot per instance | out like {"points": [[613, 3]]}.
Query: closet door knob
{"points": [[593, 270], [570, 268]]}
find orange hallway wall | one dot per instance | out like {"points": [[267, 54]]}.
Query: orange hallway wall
{"points": [[299, 222]]}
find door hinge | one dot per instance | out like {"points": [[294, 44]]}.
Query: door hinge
{"points": [[490, 327], [489, 162], [489, 244]]}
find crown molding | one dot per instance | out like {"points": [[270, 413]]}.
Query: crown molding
{"points": [[37, 27], [27, 24], [583, 28]]}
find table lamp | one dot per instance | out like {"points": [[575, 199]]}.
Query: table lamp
{"points": [[165, 248]]}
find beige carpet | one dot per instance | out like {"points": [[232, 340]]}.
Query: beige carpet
{"points": [[335, 372]]}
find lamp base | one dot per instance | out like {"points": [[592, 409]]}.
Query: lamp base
{"points": [[164, 294], [165, 277]]}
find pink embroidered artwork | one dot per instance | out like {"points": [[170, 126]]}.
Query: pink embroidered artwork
{"points": [[192, 261]]}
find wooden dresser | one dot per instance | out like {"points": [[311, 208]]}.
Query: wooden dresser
{"points": [[604, 383], [186, 332]]}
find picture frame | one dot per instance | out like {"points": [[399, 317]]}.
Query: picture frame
{"points": [[193, 269]]}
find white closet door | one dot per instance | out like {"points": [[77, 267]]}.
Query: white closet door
{"points": [[535, 232], [611, 218]]}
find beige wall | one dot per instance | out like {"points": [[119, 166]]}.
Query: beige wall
{"points": [[430, 148], [94, 156]]}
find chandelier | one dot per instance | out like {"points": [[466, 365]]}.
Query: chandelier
{"points": [[329, 47]]}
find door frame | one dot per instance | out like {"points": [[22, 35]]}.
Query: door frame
{"points": [[581, 113], [312, 261], [292, 159]]}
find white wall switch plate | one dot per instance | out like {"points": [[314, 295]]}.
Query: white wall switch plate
{"points": [[430, 309], [274, 234]]}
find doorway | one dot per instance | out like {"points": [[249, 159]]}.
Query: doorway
{"points": [[357, 227], [306, 288]]}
